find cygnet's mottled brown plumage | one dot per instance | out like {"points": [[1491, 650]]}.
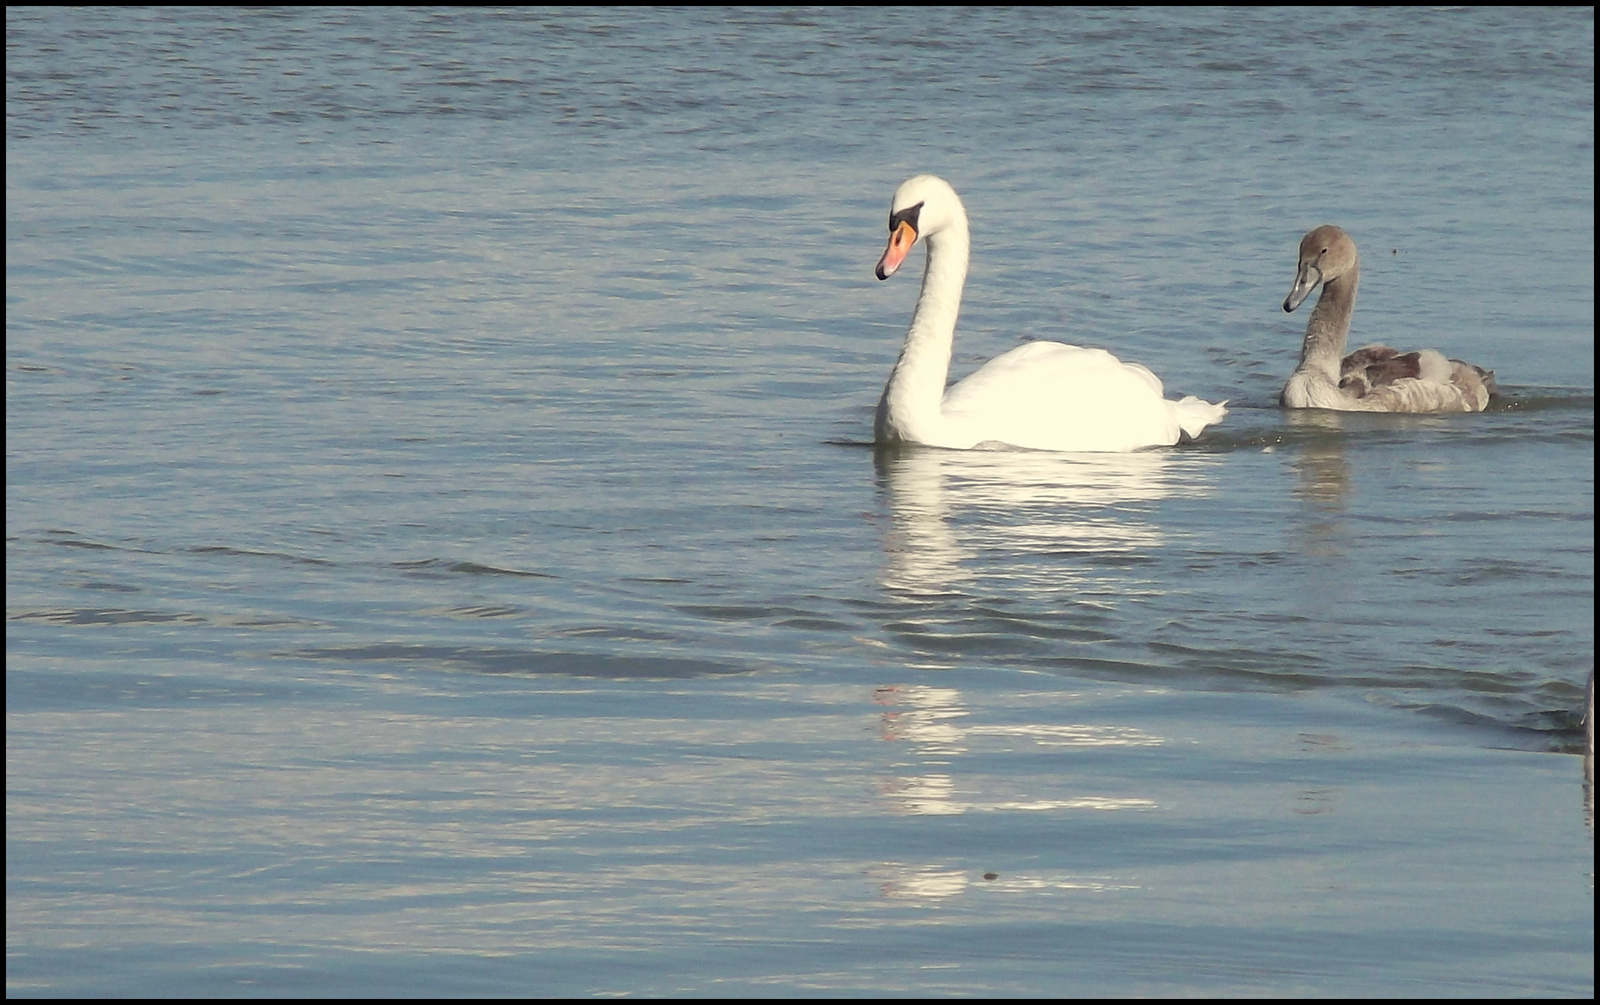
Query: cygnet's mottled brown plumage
{"points": [[1375, 378]]}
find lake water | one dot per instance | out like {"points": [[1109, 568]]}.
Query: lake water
{"points": [[445, 554]]}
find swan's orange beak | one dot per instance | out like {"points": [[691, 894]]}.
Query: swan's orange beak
{"points": [[900, 241]]}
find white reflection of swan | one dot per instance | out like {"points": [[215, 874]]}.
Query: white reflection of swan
{"points": [[924, 796], [899, 881], [921, 882], [925, 717], [931, 720], [924, 555], [1014, 508]]}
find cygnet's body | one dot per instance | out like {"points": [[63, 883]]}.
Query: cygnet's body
{"points": [[1375, 378]]}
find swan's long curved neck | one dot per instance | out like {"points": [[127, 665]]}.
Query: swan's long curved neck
{"points": [[913, 397], [1328, 329]]}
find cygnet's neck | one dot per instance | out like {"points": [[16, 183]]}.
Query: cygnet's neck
{"points": [[1328, 329], [912, 400]]}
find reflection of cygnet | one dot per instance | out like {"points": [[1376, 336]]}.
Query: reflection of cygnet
{"points": [[1041, 395]]}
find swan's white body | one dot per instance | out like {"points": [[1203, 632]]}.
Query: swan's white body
{"points": [[1042, 395], [1374, 378]]}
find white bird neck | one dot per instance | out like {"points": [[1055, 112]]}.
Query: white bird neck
{"points": [[912, 400]]}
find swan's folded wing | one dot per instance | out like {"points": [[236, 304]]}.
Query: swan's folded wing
{"points": [[1050, 396], [1046, 370]]}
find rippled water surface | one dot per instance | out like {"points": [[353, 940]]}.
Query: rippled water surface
{"points": [[445, 553]]}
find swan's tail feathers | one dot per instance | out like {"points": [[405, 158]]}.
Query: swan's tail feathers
{"points": [[1472, 377], [1194, 415]]}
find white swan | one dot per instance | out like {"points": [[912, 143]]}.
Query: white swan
{"points": [[1041, 395], [1375, 378]]}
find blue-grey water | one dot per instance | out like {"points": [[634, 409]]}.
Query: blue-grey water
{"points": [[445, 553]]}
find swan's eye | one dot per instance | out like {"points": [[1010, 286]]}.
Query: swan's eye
{"points": [[908, 215]]}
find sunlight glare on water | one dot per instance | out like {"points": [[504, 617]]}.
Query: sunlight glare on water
{"points": [[446, 555]]}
